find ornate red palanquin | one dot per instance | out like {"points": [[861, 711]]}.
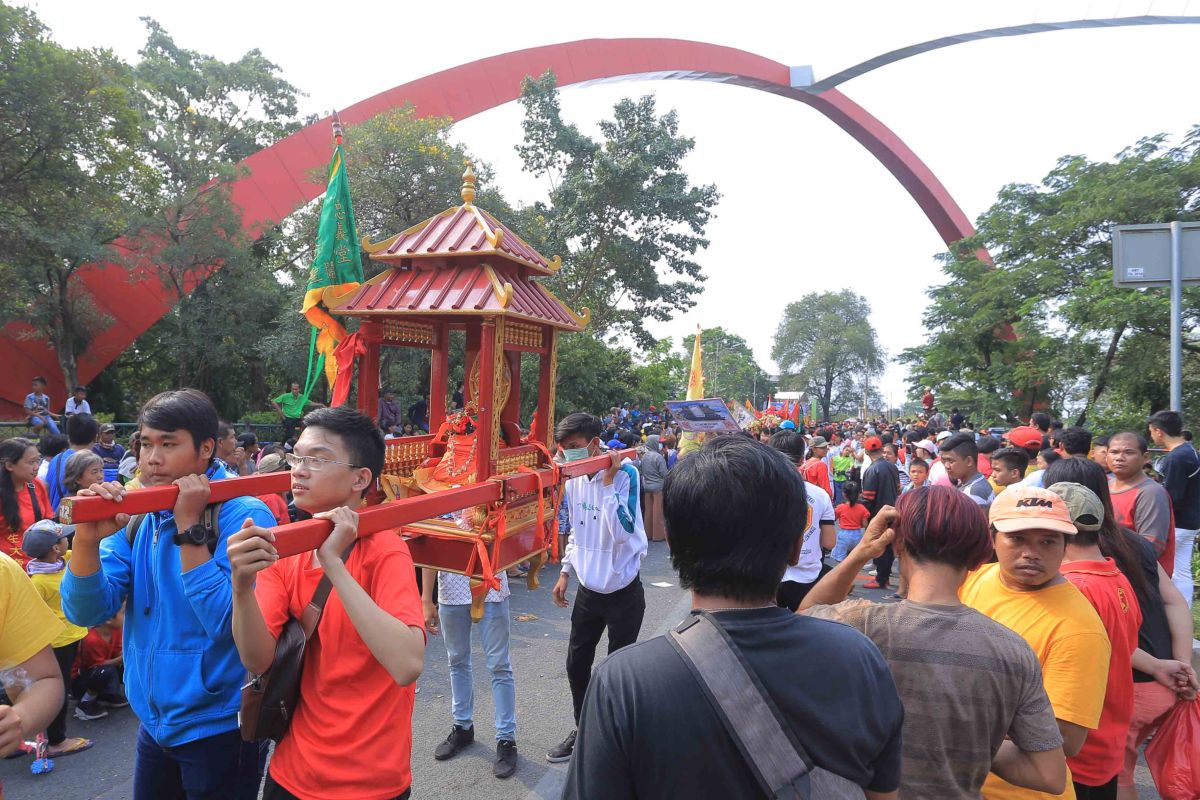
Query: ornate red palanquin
{"points": [[465, 270]]}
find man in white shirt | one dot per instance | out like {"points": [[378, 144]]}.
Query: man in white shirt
{"points": [[605, 551], [77, 403]]}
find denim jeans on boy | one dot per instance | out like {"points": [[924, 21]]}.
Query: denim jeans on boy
{"points": [[47, 421], [837, 492], [846, 541], [220, 767], [495, 627]]}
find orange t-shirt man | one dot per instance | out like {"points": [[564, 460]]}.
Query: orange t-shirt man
{"points": [[1110, 593], [351, 736]]}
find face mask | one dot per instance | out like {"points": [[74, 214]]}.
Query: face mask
{"points": [[575, 454]]}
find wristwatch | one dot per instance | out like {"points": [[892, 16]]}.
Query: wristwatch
{"points": [[196, 534]]}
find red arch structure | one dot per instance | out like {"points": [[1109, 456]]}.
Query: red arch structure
{"points": [[277, 183]]}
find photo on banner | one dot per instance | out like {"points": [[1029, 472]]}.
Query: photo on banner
{"points": [[702, 416]]}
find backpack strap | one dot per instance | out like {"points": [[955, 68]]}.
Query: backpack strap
{"points": [[132, 527], [776, 758]]}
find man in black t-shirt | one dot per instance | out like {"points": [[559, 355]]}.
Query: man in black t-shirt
{"points": [[880, 487], [1180, 469], [648, 729]]}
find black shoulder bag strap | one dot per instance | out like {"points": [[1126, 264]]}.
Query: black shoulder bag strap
{"points": [[37, 507], [783, 768]]}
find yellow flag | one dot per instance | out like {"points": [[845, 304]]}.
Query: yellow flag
{"points": [[695, 391]]}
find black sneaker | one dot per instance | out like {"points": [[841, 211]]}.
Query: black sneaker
{"points": [[117, 700], [506, 759], [90, 709], [458, 739], [562, 752]]}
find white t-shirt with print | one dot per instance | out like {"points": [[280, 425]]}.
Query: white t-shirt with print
{"points": [[808, 567]]}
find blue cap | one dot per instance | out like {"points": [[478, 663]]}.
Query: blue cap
{"points": [[787, 425], [615, 444]]}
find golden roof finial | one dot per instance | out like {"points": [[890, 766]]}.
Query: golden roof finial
{"points": [[468, 187]]}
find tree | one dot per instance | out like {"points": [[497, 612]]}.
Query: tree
{"points": [[622, 212], [825, 346], [730, 370], [660, 375], [1045, 325], [71, 182]]}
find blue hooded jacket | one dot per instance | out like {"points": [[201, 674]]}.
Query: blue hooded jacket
{"points": [[182, 671]]}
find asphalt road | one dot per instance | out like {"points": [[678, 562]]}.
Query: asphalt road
{"points": [[538, 646]]}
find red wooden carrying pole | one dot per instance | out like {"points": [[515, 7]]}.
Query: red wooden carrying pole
{"points": [[74, 510], [297, 537]]}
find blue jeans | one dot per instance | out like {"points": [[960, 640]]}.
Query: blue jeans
{"points": [[49, 422], [847, 540], [220, 767], [837, 492], [496, 626]]}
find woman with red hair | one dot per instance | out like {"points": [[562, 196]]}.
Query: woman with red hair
{"points": [[972, 689]]}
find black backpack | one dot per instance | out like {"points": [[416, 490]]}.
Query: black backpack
{"points": [[211, 519]]}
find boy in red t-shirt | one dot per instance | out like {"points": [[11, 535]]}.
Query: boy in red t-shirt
{"points": [[851, 517], [351, 733], [1096, 767], [96, 673], [1140, 503]]}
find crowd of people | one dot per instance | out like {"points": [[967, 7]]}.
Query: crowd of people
{"points": [[1038, 635]]}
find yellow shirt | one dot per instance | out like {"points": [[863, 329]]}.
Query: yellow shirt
{"points": [[1070, 642], [47, 585], [26, 624]]}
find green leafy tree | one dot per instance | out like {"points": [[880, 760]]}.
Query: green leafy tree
{"points": [[622, 211], [825, 346], [661, 374], [1045, 325], [70, 178]]}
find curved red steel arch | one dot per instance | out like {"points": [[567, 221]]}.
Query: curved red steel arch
{"points": [[277, 178]]}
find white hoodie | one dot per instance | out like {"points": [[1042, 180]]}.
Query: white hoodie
{"points": [[608, 540]]}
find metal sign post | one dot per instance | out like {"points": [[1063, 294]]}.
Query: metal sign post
{"points": [[1161, 254]]}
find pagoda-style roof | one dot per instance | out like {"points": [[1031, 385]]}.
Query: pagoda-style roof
{"points": [[462, 261], [458, 231], [477, 288]]}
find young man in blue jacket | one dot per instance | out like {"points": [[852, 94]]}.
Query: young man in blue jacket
{"points": [[182, 672]]}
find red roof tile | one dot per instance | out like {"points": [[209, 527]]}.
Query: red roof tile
{"points": [[454, 289], [464, 230]]}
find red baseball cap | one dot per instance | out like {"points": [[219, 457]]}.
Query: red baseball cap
{"points": [[1025, 436], [873, 443]]}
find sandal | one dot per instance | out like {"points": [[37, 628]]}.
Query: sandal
{"points": [[69, 747]]}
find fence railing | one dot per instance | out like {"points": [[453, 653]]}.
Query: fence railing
{"points": [[266, 432]]}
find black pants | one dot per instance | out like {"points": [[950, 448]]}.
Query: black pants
{"points": [[1106, 792], [103, 681], [290, 424], [883, 566], [790, 594], [56, 731], [273, 791], [621, 612]]}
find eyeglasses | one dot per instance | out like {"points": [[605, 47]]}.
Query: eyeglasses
{"points": [[312, 463]]}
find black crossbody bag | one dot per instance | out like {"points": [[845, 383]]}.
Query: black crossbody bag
{"points": [[269, 699], [779, 762]]}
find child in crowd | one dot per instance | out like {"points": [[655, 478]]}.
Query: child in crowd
{"points": [[1009, 465], [851, 519], [351, 733], [96, 674], [918, 474], [45, 542]]}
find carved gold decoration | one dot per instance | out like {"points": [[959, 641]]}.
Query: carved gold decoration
{"points": [[503, 383], [508, 464], [378, 247], [503, 289], [522, 335], [549, 422], [402, 456], [468, 187], [555, 264], [405, 331]]}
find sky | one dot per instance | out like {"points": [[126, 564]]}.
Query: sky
{"points": [[804, 208]]}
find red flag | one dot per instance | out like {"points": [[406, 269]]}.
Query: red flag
{"points": [[795, 415]]}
